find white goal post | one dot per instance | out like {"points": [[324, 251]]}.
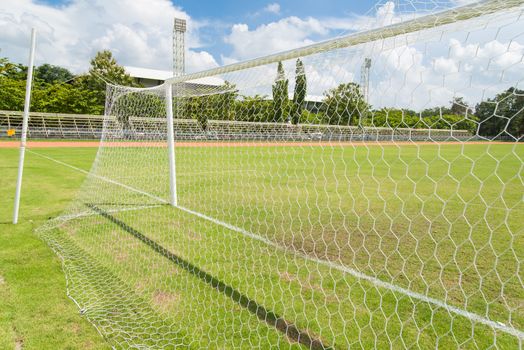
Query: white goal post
{"points": [[23, 137], [276, 203]]}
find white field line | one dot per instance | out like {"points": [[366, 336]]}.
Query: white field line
{"points": [[375, 281]]}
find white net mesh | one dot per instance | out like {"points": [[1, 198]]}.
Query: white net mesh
{"points": [[301, 211]]}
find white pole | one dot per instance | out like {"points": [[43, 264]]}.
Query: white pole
{"points": [[23, 138], [171, 145]]}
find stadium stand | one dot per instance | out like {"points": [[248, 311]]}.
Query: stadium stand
{"points": [[89, 127]]}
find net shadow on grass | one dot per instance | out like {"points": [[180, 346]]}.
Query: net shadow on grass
{"points": [[92, 286], [287, 328]]}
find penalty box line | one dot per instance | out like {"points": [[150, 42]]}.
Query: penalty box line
{"points": [[355, 273]]}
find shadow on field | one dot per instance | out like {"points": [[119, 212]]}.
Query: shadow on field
{"points": [[272, 319]]}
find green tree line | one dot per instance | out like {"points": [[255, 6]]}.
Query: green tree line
{"points": [[58, 90], [502, 115]]}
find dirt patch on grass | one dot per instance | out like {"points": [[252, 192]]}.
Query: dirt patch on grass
{"points": [[2, 280], [75, 327], [121, 256], [307, 284], [165, 300], [194, 236], [19, 343], [286, 276]]}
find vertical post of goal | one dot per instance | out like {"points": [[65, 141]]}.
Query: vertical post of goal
{"points": [[23, 137], [171, 145]]}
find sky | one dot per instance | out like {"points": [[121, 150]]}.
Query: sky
{"points": [[139, 33]]}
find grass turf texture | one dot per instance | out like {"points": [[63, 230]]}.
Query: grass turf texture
{"points": [[35, 312], [363, 189], [251, 188]]}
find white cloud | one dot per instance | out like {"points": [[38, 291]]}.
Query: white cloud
{"points": [[137, 31], [273, 8], [197, 61], [293, 32], [407, 71], [415, 71], [408, 77], [385, 14], [443, 65], [285, 34]]}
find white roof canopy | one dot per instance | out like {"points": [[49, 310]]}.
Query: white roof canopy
{"points": [[162, 75]]}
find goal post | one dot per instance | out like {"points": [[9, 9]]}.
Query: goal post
{"points": [[25, 122], [171, 145], [300, 210]]}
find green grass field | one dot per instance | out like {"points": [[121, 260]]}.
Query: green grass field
{"points": [[35, 312], [441, 221]]}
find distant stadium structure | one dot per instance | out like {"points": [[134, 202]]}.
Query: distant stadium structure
{"points": [[91, 127], [154, 77]]}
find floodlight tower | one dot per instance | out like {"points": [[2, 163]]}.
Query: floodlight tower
{"points": [[364, 78], [179, 30]]}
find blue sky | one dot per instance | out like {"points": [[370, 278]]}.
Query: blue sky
{"points": [[139, 33], [233, 11], [216, 19], [254, 13]]}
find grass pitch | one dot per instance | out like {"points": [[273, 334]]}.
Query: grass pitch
{"points": [[35, 312], [370, 209]]}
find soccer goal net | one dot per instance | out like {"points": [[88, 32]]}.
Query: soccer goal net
{"points": [[364, 192]]}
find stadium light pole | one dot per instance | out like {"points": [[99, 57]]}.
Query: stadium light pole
{"points": [[179, 30], [171, 145], [25, 122]]}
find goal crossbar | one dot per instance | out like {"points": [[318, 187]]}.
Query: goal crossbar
{"points": [[454, 15]]}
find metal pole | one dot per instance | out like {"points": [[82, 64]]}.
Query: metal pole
{"points": [[171, 145], [23, 138]]}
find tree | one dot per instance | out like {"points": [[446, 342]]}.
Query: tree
{"points": [[8, 69], [223, 102], [104, 68], [219, 105], [254, 109], [502, 115], [12, 94], [52, 74], [65, 98], [135, 103], [12, 70], [429, 112], [460, 107], [280, 94], [345, 105], [50, 94], [299, 95], [392, 118]]}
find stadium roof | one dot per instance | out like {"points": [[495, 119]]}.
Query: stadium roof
{"points": [[156, 74]]}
